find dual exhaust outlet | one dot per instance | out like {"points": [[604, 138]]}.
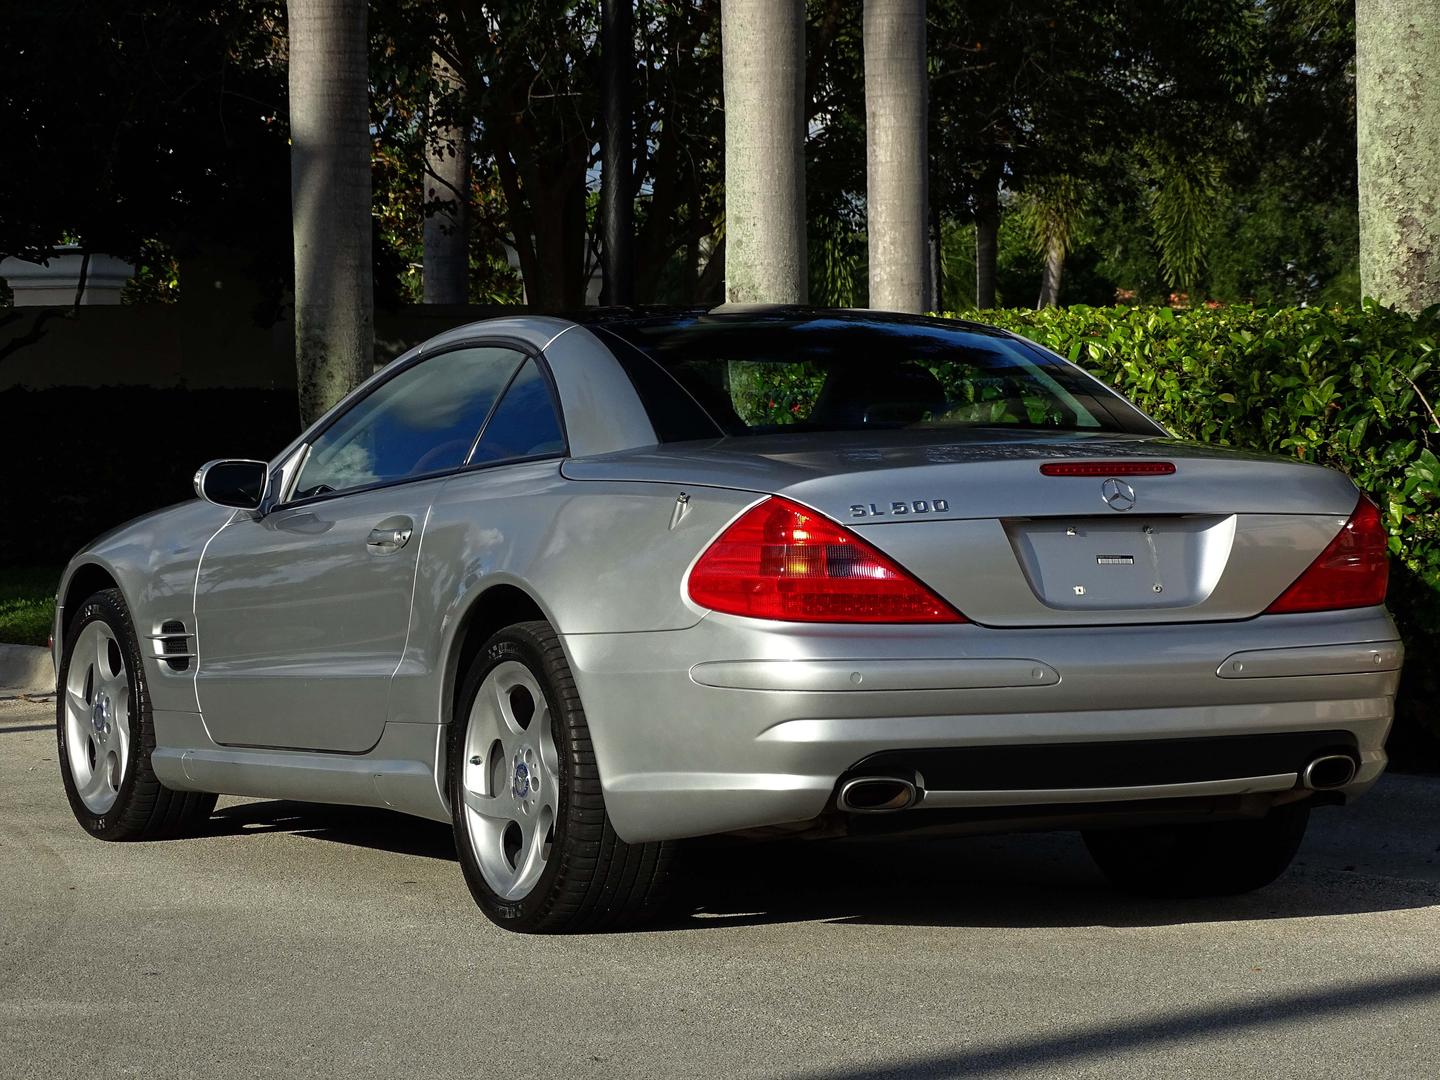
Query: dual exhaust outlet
{"points": [[889, 793]]}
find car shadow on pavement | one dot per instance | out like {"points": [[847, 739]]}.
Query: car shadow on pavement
{"points": [[380, 830], [1021, 880], [1102, 1042]]}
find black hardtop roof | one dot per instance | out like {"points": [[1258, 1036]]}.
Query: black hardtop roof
{"points": [[660, 317]]}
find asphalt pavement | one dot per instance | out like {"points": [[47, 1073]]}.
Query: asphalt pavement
{"points": [[297, 941]]}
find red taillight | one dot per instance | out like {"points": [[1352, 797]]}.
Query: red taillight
{"points": [[1351, 572], [1107, 468], [780, 560]]}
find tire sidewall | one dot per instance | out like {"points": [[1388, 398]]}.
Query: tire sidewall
{"points": [[511, 644], [105, 607]]}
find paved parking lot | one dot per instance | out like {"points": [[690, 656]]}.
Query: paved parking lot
{"points": [[315, 941]]}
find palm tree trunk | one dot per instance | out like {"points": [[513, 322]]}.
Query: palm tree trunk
{"points": [[1397, 109], [987, 242], [763, 48], [330, 199], [617, 211], [895, 151], [446, 271], [1054, 267]]}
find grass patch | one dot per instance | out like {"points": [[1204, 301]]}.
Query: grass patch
{"points": [[27, 603]]}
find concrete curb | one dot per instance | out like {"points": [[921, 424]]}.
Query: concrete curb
{"points": [[25, 670]]}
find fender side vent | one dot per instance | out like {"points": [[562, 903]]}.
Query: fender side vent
{"points": [[173, 646]]}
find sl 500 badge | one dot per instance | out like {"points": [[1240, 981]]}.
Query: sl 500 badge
{"points": [[896, 509]]}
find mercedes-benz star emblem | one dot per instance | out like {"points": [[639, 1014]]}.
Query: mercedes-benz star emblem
{"points": [[522, 780], [1117, 494]]}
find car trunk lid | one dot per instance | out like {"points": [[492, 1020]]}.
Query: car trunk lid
{"points": [[978, 521]]}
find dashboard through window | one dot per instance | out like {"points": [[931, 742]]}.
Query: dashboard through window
{"points": [[835, 372], [422, 421]]}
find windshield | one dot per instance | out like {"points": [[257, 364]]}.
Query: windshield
{"points": [[740, 375]]}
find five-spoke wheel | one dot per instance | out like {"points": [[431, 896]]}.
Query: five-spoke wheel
{"points": [[105, 728], [510, 780], [537, 848], [97, 716]]}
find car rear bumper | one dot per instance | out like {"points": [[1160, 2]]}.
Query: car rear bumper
{"points": [[737, 724]]}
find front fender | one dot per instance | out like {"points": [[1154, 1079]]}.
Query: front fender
{"points": [[153, 561]]}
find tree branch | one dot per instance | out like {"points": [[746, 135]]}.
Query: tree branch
{"points": [[1425, 402], [31, 336]]}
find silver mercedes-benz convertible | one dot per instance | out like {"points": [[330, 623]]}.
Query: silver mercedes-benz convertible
{"points": [[586, 589]]}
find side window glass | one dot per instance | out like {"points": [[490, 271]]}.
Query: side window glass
{"points": [[525, 423], [422, 421]]}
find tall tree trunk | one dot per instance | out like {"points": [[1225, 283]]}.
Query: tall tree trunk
{"points": [[936, 263], [763, 49], [895, 152], [987, 242], [541, 153], [655, 244], [330, 199], [1397, 109], [1054, 267], [672, 161], [446, 271], [545, 201], [617, 209]]}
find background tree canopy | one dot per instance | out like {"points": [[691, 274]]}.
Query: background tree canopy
{"points": [[1204, 147]]}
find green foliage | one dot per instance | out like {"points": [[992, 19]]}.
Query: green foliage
{"points": [[1052, 210], [27, 603], [157, 276], [1213, 142], [779, 392], [774, 393], [399, 226], [838, 267], [1269, 251], [1185, 199], [1351, 388], [1088, 277]]}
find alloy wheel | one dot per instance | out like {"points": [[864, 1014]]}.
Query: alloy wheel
{"points": [[97, 716], [510, 781]]}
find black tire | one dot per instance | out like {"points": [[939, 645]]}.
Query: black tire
{"points": [[143, 808], [592, 880], [1214, 859]]}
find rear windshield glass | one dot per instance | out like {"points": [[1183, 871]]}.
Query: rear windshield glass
{"points": [[736, 375]]}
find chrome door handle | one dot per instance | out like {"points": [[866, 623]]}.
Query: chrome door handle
{"points": [[385, 539]]}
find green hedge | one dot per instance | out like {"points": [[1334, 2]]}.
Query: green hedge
{"points": [[1353, 388]]}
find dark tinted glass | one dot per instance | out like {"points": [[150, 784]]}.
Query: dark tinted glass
{"points": [[422, 421], [674, 414], [837, 372], [524, 424]]}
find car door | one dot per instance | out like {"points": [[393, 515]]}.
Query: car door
{"points": [[302, 613]]}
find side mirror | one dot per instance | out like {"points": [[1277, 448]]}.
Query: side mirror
{"points": [[241, 484]]}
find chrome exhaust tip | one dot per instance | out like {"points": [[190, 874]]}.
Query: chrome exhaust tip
{"points": [[878, 794], [1328, 772]]}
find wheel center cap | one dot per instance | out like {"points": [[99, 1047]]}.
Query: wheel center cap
{"points": [[521, 784], [100, 714]]}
